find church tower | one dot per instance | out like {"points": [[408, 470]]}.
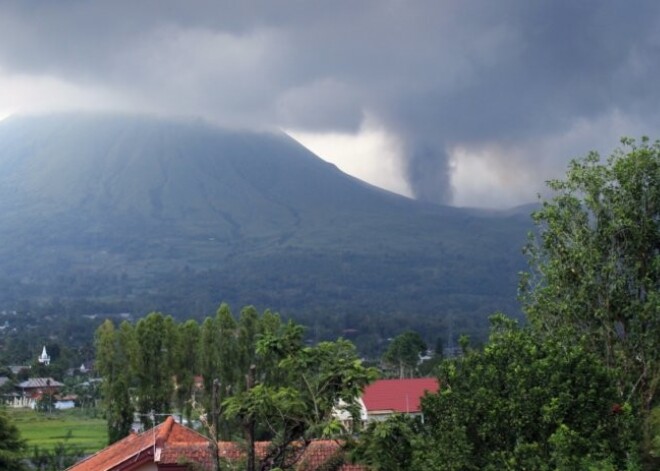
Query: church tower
{"points": [[44, 358]]}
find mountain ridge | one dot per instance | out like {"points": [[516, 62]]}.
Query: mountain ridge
{"points": [[163, 213]]}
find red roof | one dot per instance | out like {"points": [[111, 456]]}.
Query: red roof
{"points": [[166, 444], [398, 395]]}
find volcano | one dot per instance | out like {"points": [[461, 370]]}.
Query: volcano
{"points": [[181, 215]]}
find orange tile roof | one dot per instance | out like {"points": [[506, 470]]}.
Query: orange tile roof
{"points": [[167, 443], [398, 395], [172, 444], [313, 457], [322, 452]]}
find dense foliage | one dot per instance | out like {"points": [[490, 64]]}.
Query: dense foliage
{"points": [[403, 354], [596, 268], [113, 352], [596, 264], [258, 378], [520, 403], [11, 445], [526, 403], [577, 387]]}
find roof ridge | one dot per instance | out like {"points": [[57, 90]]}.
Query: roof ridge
{"points": [[164, 431]]}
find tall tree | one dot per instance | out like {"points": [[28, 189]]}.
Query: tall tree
{"points": [[228, 370], [155, 347], [113, 351], [185, 361], [247, 335], [595, 265], [209, 358]]}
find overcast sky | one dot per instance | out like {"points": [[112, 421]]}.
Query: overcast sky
{"points": [[461, 102]]}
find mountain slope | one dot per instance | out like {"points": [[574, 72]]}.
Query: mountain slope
{"points": [[182, 215]]}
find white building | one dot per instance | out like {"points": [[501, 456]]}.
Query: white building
{"points": [[44, 358]]}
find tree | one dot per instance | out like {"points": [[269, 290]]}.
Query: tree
{"points": [[209, 358], [247, 335], [525, 402], [228, 367], [11, 445], [389, 445], [186, 359], [595, 265], [295, 402], [403, 353], [113, 351], [154, 336]]}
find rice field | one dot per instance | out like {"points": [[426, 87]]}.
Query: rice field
{"points": [[71, 427]]}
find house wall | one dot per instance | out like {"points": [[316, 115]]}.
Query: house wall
{"points": [[21, 402], [148, 467], [61, 405], [380, 416]]}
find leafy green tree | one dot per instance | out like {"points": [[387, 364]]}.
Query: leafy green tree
{"points": [[185, 365], [247, 335], [113, 350], [596, 263], [526, 403], [403, 353], [154, 360], [389, 445], [220, 365], [11, 445], [209, 358], [298, 405], [228, 370], [595, 266]]}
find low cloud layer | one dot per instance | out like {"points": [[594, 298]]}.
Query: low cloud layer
{"points": [[484, 99]]}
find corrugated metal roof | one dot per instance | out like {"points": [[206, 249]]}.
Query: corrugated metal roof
{"points": [[40, 383]]}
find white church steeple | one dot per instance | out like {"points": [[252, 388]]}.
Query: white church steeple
{"points": [[44, 358]]}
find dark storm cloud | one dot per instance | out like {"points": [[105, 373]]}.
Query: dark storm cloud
{"points": [[435, 73]]}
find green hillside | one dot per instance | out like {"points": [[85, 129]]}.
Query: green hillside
{"points": [[178, 216]]}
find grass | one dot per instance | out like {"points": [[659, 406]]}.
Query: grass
{"points": [[71, 427]]}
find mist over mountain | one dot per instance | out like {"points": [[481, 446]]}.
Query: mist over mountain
{"points": [[181, 215]]}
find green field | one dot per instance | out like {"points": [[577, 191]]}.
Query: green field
{"points": [[69, 427]]}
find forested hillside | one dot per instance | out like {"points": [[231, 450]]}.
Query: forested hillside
{"points": [[137, 214]]}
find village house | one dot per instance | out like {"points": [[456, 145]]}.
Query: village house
{"points": [[386, 397], [168, 446], [173, 447], [33, 389]]}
